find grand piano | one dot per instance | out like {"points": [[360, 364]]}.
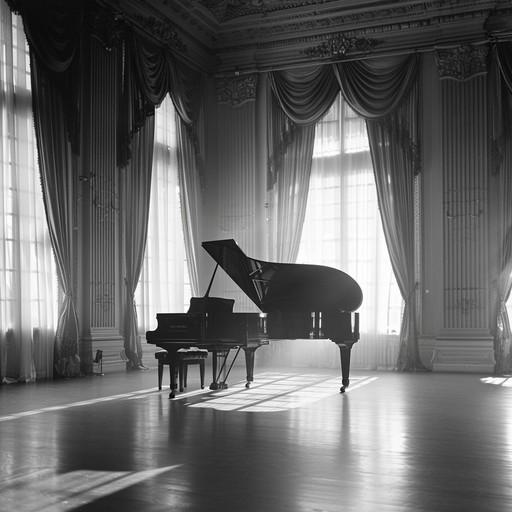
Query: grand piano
{"points": [[296, 302]]}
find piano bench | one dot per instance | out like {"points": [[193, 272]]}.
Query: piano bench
{"points": [[188, 356], [179, 365]]}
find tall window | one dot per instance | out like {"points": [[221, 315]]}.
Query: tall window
{"points": [[28, 283], [164, 286], [342, 229]]}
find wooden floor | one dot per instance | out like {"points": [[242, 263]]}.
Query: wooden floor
{"points": [[394, 442]]}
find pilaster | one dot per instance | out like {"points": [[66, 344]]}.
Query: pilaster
{"points": [[98, 259], [464, 342]]}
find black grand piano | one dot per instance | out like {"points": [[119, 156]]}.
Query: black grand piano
{"points": [[296, 302]]}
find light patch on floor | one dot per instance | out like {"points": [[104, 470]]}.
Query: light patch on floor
{"points": [[505, 381], [46, 490], [274, 392], [53, 408]]}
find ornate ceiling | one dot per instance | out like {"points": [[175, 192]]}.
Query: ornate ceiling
{"points": [[226, 36]]}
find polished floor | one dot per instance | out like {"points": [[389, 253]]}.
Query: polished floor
{"points": [[292, 443]]}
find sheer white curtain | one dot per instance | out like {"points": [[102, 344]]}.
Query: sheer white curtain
{"points": [[164, 286], [342, 229], [28, 284]]}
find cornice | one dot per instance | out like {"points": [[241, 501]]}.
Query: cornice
{"points": [[270, 33]]}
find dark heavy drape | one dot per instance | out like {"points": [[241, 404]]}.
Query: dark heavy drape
{"points": [[501, 107], [53, 32], [385, 93]]}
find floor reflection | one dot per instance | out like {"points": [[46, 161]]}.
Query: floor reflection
{"points": [[274, 392]]}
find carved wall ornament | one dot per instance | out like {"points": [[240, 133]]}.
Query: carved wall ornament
{"points": [[339, 45], [108, 27], [466, 306], [163, 32], [235, 90], [462, 62]]}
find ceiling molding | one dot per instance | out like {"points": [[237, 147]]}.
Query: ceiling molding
{"points": [[248, 35]]}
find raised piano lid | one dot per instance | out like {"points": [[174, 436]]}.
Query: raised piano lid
{"points": [[275, 287]]}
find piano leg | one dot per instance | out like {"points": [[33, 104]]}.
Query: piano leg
{"points": [[249, 364], [345, 352], [219, 356]]}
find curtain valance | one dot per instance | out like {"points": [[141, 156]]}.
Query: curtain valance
{"points": [[304, 94], [151, 67], [158, 72], [53, 33], [375, 87], [52, 30]]}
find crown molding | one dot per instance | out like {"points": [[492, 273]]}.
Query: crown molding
{"points": [[249, 36]]}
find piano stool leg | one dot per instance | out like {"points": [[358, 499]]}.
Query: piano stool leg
{"points": [[345, 352], [183, 373]]}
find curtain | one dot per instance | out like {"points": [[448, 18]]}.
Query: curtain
{"points": [[501, 107], [163, 283], [58, 164], [385, 92], [28, 285], [376, 89], [191, 199], [157, 72], [136, 183], [53, 37], [300, 98], [395, 178], [292, 193], [342, 229]]}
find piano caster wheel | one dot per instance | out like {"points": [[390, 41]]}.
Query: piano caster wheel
{"points": [[342, 389], [172, 395], [248, 385]]}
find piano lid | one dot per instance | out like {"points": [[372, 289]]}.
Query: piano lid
{"points": [[282, 287]]}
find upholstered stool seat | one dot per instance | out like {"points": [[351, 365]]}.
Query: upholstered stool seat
{"points": [[178, 366]]}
